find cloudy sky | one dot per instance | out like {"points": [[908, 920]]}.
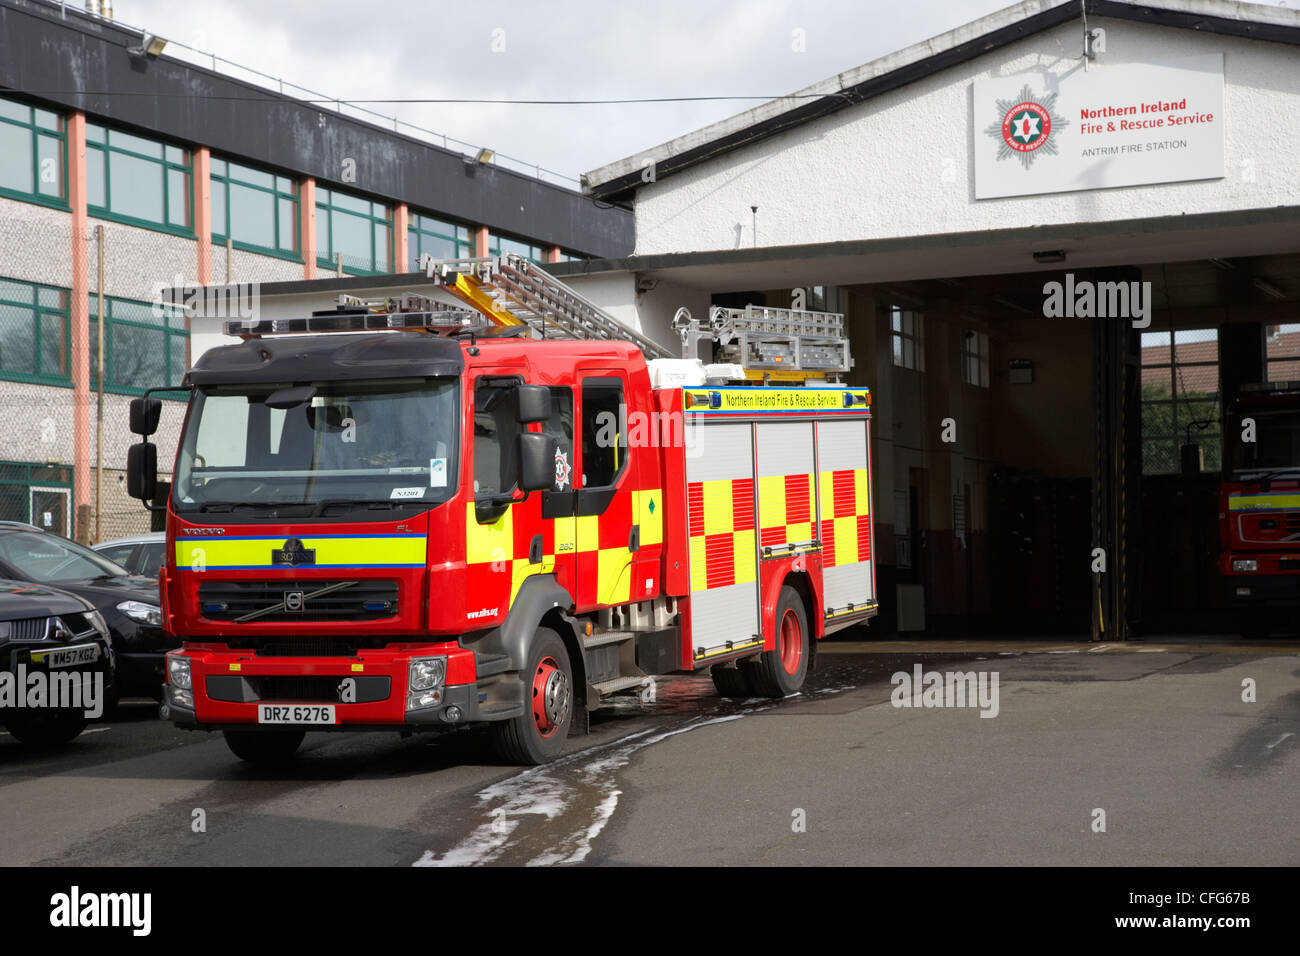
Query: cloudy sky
{"points": [[565, 49]]}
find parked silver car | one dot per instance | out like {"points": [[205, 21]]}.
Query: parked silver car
{"points": [[139, 554]]}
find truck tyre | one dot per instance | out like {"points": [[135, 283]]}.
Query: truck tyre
{"points": [[50, 729], [780, 672], [731, 681], [537, 735], [264, 746]]}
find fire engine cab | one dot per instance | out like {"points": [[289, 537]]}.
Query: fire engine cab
{"points": [[498, 505]]}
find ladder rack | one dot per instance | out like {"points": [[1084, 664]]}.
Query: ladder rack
{"points": [[511, 290]]}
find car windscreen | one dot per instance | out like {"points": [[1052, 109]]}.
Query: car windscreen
{"points": [[50, 559], [355, 442]]}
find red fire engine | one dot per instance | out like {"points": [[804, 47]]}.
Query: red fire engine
{"points": [[1259, 506], [492, 515]]}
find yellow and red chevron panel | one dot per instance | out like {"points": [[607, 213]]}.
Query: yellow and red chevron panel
{"points": [[846, 517], [721, 521]]}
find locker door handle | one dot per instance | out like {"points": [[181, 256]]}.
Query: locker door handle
{"points": [[634, 538], [535, 550]]}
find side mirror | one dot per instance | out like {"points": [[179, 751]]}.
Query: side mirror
{"points": [[536, 461], [145, 413], [534, 404], [1192, 460], [142, 469]]}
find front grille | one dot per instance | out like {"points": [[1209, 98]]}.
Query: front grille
{"points": [[27, 628], [364, 600], [308, 646], [312, 689]]}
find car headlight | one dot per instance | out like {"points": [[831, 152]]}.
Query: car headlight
{"points": [[1245, 564], [178, 672], [144, 613]]}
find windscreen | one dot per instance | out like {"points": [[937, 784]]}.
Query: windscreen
{"points": [[1277, 441], [48, 559], [344, 442]]}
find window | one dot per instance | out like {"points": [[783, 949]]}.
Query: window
{"points": [[1180, 398], [438, 238], [145, 345], [33, 154], [496, 431], [975, 358], [257, 210], [499, 244], [352, 227], [37, 494], [604, 443], [138, 180], [1282, 353], [35, 333], [560, 427], [906, 327]]}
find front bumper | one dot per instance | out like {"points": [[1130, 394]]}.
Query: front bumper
{"points": [[228, 687], [1263, 590]]}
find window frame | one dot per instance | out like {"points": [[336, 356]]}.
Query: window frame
{"points": [[225, 179], [1280, 360], [978, 359], [37, 311], [327, 262], [170, 314], [900, 336], [106, 149], [494, 247], [1178, 402], [37, 131], [415, 230]]}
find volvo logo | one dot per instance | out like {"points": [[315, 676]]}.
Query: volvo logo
{"points": [[293, 553], [293, 600]]}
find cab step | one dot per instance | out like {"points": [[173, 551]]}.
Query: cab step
{"points": [[600, 638], [644, 686]]}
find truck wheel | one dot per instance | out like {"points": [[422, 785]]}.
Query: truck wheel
{"points": [[264, 746], [731, 681], [537, 735], [780, 672], [47, 729]]}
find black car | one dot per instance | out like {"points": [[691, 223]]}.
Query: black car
{"points": [[49, 639], [129, 603]]}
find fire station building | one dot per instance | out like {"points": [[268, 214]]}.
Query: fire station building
{"points": [[979, 205]]}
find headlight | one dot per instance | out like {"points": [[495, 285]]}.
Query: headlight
{"points": [[427, 673], [144, 613], [424, 682], [178, 672], [1245, 564]]}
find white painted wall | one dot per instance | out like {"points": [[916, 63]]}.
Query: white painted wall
{"points": [[900, 165]]}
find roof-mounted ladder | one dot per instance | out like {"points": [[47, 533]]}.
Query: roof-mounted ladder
{"points": [[511, 290]]}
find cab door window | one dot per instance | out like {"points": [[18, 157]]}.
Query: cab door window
{"points": [[496, 438], [604, 432], [560, 427]]}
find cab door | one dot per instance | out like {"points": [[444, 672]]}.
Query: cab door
{"points": [[607, 484], [509, 541]]}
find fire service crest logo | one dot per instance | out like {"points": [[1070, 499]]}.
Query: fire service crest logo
{"points": [[1026, 126]]}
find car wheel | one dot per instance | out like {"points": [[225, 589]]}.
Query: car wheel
{"points": [[537, 735], [50, 729]]}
